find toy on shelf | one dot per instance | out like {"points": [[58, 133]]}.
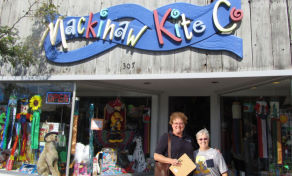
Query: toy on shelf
{"points": [[115, 115], [108, 164]]}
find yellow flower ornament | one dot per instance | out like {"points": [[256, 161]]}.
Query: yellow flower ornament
{"points": [[35, 102]]}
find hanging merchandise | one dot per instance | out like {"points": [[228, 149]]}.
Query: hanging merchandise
{"points": [[284, 118], [237, 128], [20, 125], [236, 110], [248, 107], [91, 116], [2, 117], [115, 114], [23, 117], [274, 109], [75, 126], [17, 140], [3, 109], [237, 136], [286, 136], [13, 107], [12, 103], [276, 142], [12, 155], [261, 109], [35, 104], [147, 126], [2, 95]]}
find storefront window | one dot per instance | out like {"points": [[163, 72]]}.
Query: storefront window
{"points": [[261, 121], [34, 123], [111, 133]]}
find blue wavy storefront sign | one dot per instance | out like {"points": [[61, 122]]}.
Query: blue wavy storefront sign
{"points": [[167, 28]]}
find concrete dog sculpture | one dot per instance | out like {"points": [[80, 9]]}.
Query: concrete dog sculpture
{"points": [[48, 160]]}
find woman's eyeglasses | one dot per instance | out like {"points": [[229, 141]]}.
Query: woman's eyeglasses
{"points": [[205, 139], [181, 124]]}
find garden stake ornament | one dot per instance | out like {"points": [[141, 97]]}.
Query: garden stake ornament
{"points": [[35, 104]]}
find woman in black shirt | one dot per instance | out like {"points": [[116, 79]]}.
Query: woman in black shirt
{"points": [[180, 142]]}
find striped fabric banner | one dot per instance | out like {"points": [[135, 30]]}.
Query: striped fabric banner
{"points": [[262, 138], [277, 145]]}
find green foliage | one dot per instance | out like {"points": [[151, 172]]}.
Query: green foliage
{"points": [[12, 51], [19, 53], [47, 11]]}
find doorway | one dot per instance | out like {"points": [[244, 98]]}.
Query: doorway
{"points": [[196, 108]]}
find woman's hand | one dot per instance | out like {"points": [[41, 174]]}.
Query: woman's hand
{"points": [[163, 159], [175, 162]]}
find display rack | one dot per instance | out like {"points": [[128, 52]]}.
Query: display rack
{"points": [[286, 142]]}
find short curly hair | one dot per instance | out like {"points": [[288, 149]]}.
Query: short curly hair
{"points": [[176, 115], [201, 132]]}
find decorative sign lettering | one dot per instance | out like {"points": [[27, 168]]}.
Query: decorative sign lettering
{"points": [[58, 97], [167, 28]]}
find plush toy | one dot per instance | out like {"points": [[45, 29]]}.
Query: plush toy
{"points": [[81, 153], [81, 159], [48, 161]]}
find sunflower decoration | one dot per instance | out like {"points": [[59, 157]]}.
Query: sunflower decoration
{"points": [[35, 102]]}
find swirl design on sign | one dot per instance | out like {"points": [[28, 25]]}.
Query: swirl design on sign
{"points": [[175, 13], [103, 13], [119, 32], [69, 30], [236, 14]]}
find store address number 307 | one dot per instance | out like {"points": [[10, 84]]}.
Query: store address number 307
{"points": [[128, 66]]}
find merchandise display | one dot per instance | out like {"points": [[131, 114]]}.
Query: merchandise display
{"points": [[117, 136], [261, 138], [34, 134]]}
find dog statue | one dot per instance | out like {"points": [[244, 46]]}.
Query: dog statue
{"points": [[138, 156], [48, 160]]}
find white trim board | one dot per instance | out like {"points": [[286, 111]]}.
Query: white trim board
{"points": [[151, 76]]}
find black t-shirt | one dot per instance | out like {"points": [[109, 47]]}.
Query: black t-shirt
{"points": [[179, 146]]}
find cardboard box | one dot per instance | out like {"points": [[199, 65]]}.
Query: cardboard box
{"points": [[48, 127]]}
